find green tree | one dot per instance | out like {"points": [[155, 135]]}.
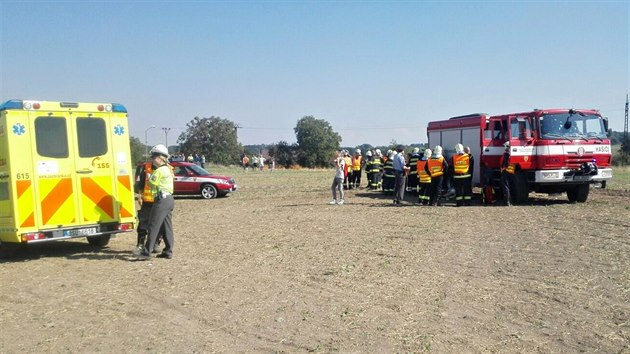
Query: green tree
{"points": [[213, 137], [284, 154], [138, 150], [316, 142]]}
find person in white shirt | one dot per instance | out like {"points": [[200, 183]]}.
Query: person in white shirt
{"points": [[337, 184]]}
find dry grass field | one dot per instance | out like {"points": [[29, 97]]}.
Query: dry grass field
{"points": [[273, 268]]}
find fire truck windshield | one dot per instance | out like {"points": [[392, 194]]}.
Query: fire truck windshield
{"points": [[572, 126]]}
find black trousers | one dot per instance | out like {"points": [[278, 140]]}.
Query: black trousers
{"points": [[436, 190]]}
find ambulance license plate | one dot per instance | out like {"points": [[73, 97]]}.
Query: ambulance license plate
{"points": [[581, 178], [80, 232]]}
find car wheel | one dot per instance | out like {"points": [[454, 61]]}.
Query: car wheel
{"points": [[99, 241], [209, 191]]}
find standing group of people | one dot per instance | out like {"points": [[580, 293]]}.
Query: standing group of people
{"points": [[257, 162], [425, 175]]}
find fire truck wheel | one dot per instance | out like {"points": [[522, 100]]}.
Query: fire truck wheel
{"points": [[208, 191], [578, 193], [99, 241], [521, 189]]}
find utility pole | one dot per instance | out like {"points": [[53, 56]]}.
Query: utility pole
{"points": [[166, 130], [626, 143]]}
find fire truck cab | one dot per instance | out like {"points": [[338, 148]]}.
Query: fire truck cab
{"points": [[65, 172], [555, 150]]}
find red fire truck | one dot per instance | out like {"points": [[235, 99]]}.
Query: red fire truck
{"points": [[555, 150]]}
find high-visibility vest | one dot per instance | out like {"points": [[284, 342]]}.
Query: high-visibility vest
{"points": [[423, 176], [436, 166], [356, 163], [147, 195], [511, 168], [461, 163]]}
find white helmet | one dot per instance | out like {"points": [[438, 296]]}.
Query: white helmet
{"points": [[160, 149], [437, 150], [378, 152], [459, 148], [427, 153], [507, 145], [416, 150], [357, 151], [369, 153]]}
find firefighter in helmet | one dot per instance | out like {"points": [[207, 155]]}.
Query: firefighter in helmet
{"points": [[436, 167], [461, 173], [424, 178]]}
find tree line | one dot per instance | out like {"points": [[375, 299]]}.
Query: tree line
{"points": [[316, 141]]}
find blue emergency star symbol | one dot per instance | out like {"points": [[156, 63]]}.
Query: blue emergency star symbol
{"points": [[19, 129], [119, 130]]}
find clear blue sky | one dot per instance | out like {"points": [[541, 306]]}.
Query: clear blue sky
{"points": [[377, 71]]}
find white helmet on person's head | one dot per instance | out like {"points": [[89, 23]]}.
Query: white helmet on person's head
{"points": [[459, 148], [378, 152], [437, 150], [507, 145], [160, 149], [427, 153], [368, 153], [357, 151], [416, 150]]}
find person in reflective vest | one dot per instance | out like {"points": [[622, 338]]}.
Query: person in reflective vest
{"points": [[146, 204], [161, 185], [435, 167], [424, 178], [388, 174], [357, 165], [412, 179], [347, 179], [461, 173], [507, 173]]}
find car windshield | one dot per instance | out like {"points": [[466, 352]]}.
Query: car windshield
{"points": [[572, 126], [198, 170]]}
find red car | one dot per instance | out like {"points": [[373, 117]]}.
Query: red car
{"points": [[191, 179]]}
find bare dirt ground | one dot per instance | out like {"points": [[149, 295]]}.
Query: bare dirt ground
{"points": [[274, 268]]}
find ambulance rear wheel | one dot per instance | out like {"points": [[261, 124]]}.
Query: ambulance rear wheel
{"points": [[578, 193], [7, 250], [99, 241], [209, 191]]}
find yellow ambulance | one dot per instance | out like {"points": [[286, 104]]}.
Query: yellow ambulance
{"points": [[65, 172]]}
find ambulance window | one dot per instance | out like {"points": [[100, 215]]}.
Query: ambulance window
{"points": [[92, 138], [51, 136]]}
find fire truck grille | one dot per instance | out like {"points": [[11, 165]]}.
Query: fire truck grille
{"points": [[574, 161]]}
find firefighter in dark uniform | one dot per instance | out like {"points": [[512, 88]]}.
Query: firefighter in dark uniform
{"points": [[461, 173], [376, 168], [388, 174], [412, 179], [436, 167], [468, 183], [368, 168], [507, 174]]}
